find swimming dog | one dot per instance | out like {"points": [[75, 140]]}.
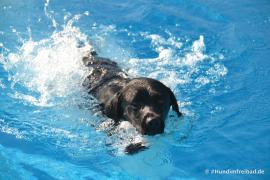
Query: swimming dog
{"points": [[144, 102]]}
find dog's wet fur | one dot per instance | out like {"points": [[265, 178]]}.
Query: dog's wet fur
{"points": [[144, 102]]}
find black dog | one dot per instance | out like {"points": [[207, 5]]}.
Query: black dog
{"points": [[144, 102]]}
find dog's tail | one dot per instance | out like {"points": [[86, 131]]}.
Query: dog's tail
{"points": [[174, 103]]}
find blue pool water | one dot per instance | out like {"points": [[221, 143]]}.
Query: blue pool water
{"points": [[213, 54]]}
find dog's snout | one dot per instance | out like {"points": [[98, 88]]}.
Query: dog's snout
{"points": [[153, 125]]}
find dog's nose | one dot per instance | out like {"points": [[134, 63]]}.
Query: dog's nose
{"points": [[152, 123], [153, 126]]}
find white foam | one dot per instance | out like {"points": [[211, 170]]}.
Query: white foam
{"points": [[157, 40], [121, 136], [171, 79], [5, 128], [218, 70], [196, 54], [165, 54], [29, 99], [168, 66], [12, 131], [202, 80]]}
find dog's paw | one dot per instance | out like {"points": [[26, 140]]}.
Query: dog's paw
{"points": [[135, 148]]}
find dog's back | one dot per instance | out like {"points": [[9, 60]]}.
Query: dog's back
{"points": [[103, 72], [105, 80]]}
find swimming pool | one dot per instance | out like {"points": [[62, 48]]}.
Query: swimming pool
{"points": [[213, 55]]}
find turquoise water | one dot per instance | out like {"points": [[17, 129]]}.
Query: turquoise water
{"points": [[213, 55]]}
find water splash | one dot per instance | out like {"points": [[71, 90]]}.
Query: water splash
{"points": [[196, 54], [50, 14], [174, 68], [51, 67]]}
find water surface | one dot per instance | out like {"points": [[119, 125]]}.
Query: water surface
{"points": [[213, 55]]}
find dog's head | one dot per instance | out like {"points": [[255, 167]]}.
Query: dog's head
{"points": [[145, 103]]}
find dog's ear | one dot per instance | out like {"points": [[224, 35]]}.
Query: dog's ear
{"points": [[174, 104], [113, 107]]}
